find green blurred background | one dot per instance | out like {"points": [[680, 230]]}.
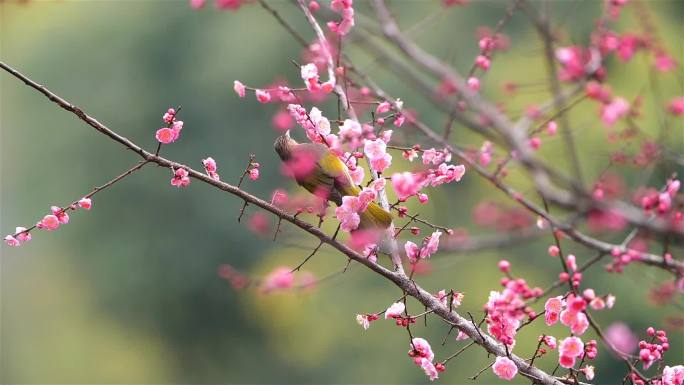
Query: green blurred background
{"points": [[129, 292]]}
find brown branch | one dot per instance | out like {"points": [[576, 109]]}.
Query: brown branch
{"points": [[515, 139], [491, 241], [542, 23], [72, 205], [397, 277], [541, 174], [284, 23], [675, 266]]}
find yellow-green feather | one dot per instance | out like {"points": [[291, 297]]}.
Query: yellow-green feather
{"points": [[374, 216], [332, 174]]}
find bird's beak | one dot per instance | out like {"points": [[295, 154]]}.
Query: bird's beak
{"points": [[287, 134]]}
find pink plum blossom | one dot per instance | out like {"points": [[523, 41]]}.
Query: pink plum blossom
{"points": [[169, 115], [504, 368], [613, 111], [197, 4], [553, 308], [351, 131], [551, 342], [378, 184], [399, 120], [446, 174], [394, 310], [461, 336], [552, 128], [676, 106], [239, 88], [433, 156], [253, 173], [319, 129], [383, 107], [22, 235], [263, 96], [279, 279], [386, 135], [309, 73], [363, 320], [165, 135], [347, 213], [429, 369], [423, 349], [12, 241], [673, 375], [473, 83], [61, 215], [375, 150], [180, 178], [442, 296], [85, 203], [412, 251], [483, 62], [357, 175], [621, 337], [574, 318], [431, 245], [588, 371], [233, 5], [664, 62], [566, 361], [485, 154], [571, 347], [344, 8], [210, 167], [49, 222]]}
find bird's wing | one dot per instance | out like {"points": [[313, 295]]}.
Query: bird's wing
{"points": [[329, 173], [340, 173], [332, 174]]}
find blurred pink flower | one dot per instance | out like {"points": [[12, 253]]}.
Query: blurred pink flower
{"points": [[620, 336], [239, 88], [278, 279]]}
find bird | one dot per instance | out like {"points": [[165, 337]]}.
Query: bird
{"points": [[321, 172]]}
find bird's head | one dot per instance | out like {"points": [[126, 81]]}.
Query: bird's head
{"points": [[284, 144]]}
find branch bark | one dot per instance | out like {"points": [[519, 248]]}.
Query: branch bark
{"points": [[396, 277], [542, 175]]}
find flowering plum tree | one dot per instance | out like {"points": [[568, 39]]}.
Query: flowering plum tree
{"points": [[352, 158]]}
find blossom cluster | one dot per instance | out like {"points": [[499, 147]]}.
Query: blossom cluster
{"points": [[423, 356], [345, 9], [650, 352], [353, 140], [352, 206], [506, 309], [172, 131], [429, 246], [49, 222]]}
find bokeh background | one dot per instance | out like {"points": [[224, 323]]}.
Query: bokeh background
{"points": [[129, 292]]}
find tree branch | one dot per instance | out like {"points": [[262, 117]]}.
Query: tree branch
{"points": [[398, 278]]}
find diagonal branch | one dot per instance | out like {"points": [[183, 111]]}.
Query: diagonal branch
{"points": [[541, 174], [674, 266], [543, 25], [398, 278]]}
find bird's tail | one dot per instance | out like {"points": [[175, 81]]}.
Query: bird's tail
{"points": [[375, 217]]}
